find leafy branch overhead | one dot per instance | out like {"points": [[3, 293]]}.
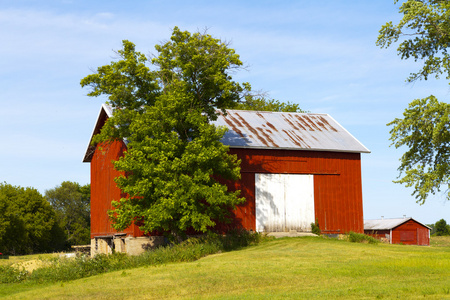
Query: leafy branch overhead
{"points": [[423, 35], [425, 131], [175, 163]]}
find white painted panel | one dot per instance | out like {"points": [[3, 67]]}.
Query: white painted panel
{"points": [[299, 201], [284, 202], [269, 198]]}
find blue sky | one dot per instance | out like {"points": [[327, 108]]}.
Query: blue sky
{"points": [[320, 54]]}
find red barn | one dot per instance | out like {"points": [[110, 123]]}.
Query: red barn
{"points": [[399, 231], [297, 168]]}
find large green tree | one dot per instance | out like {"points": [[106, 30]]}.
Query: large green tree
{"points": [[71, 202], [163, 108], [27, 222], [423, 34], [173, 161]]}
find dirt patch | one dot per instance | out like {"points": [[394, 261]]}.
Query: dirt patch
{"points": [[30, 265]]}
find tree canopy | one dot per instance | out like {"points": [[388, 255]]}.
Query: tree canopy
{"points": [[71, 203], [263, 104], [27, 222], [423, 35], [175, 161], [171, 179]]}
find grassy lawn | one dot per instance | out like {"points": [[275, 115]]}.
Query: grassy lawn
{"points": [[289, 268], [440, 241]]}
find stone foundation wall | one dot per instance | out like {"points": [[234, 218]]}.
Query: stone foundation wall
{"points": [[129, 245], [100, 245]]}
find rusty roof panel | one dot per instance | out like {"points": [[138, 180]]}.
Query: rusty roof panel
{"points": [[282, 130]]}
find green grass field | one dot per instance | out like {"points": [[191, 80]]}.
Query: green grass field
{"points": [[288, 268]]}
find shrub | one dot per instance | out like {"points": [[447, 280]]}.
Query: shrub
{"points": [[315, 227], [11, 274], [361, 238], [64, 269], [236, 239]]}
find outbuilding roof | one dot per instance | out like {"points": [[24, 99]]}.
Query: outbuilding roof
{"points": [[271, 130], [387, 224]]}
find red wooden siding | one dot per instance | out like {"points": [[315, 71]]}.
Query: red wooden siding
{"points": [[337, 184], [411, 233], [104, 189], [423, 236], [379, 234]]}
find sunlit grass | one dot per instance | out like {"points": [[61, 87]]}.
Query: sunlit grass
{"points": [[440, 241], [290, 268]]}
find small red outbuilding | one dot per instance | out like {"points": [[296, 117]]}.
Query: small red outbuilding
{"points": [[399, 231], [296, 168]]}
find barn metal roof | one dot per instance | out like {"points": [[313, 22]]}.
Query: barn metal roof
{"points": [[271, 130], [387, 224], [283, 130]]}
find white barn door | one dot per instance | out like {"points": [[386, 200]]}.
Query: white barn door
{"points": [[284, 202]]}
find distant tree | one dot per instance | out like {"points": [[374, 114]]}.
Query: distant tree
{"points": [[442, 228], [71, 203], [423, 35], [28, 222], [251, 102]]}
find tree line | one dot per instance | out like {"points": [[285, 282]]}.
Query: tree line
{"points": [[34, 223]]}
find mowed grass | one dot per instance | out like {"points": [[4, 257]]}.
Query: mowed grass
{"points": [[289, 268]]}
